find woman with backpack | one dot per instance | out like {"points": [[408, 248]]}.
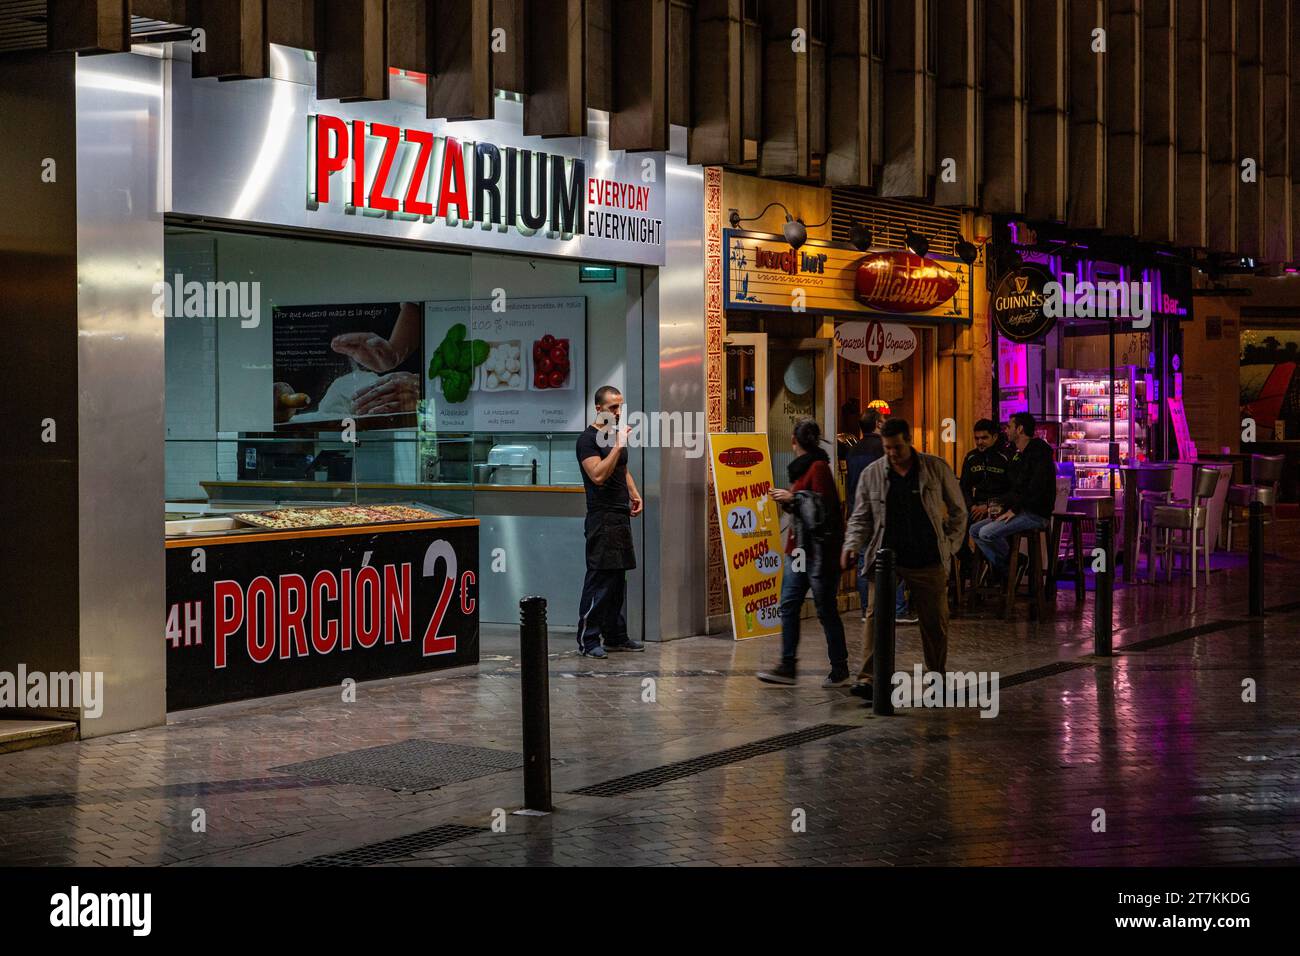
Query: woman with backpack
{"points": [[812, 547]]}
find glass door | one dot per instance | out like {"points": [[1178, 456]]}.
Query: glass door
{"points": [[745, 385], [800, 384]]}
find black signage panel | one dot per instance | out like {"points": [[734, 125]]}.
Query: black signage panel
{"points": [[1016, 305], [272, 615]]}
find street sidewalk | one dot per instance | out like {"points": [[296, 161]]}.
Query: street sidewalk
{"points": [[1158, 734]]}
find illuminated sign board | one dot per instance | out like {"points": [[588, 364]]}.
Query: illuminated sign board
{"points": [[764, 272]]}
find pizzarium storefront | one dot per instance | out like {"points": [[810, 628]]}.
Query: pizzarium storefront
{"points": [[347, 350]]}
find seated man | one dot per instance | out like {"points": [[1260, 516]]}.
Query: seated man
{"points": [[1027, 503], [983, 477]]}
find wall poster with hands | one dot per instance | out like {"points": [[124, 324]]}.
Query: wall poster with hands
{"points": [[358, 361]]}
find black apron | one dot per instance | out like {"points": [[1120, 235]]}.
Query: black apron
{"points": [[609, 541]]}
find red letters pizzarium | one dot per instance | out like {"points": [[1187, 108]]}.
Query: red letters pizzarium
{"points": [[454, 180]]}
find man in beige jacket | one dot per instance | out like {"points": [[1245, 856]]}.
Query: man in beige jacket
{"points": [[911, 503]]}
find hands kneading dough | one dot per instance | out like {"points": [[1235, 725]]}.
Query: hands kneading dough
{"points": [[338, 400], [360, 392], [388, 394]]}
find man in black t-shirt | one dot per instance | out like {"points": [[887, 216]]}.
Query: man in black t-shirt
{"points": [[612, 502]]}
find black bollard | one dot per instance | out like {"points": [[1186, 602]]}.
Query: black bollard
{"points": [[1103, 605], [535, 694], [1256, 559], [882, 664]]}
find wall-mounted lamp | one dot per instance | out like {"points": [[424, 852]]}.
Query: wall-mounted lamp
{"points": [[966, 251], [918, 243], [794, 230], [859, 235]]}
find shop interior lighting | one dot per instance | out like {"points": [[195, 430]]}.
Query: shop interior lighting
{"points": [[794, 230]]}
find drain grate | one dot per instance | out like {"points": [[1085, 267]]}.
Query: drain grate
{"points": [[1186, 634], [1038, 673], [412, 765], [657, 776], [396, 848]]}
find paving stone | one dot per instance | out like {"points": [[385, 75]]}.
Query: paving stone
{"points": [[1159, 738]]}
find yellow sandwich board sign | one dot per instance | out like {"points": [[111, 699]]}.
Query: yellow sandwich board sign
{"points": [[751, 531]]}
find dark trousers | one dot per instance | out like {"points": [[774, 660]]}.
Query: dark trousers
{"points": [[929, 591], [794, 588], [600, 609]]}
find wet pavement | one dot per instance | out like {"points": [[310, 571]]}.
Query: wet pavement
{"points": [[684, 758]]}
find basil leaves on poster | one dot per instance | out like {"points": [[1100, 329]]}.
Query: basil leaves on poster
{"points": [[454, 362], [1016, 306]]}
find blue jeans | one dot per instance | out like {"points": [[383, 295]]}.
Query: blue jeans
{"points": [[991, 536], [794, 588], [864, 588]]}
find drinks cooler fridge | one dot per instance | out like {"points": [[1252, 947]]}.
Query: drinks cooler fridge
{"points": [[1084, 401]]}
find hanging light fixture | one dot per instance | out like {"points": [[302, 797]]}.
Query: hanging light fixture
{"points": [[966, 251], [860, 235], [794, 231], [918, 243]]}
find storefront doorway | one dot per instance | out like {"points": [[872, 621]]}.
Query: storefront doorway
{"points": [[773, 383], [902, 388]]}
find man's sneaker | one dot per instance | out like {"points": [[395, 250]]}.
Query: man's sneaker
{"points": [[628, 645], [597, 652], [907, 618], [781, 674], [861, 689], [836, 678]]}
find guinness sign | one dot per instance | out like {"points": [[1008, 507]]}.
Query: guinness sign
{"points": [[1017, 304]]}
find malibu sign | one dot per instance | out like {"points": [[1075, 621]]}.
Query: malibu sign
{"points": [[899, 281]]}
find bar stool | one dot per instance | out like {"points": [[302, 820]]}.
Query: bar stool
{"points": [[1265, 476], [1062, 517], [1080, 515], [1035, 545], [1155, 487], [1191, 517], [958, 603], [1060, 521]]}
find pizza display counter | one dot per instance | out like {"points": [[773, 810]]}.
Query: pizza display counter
{"points": [[267, 602]]}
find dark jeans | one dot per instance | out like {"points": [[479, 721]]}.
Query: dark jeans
{"points": [[991, 536], [793, 591], [600, 609]]}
